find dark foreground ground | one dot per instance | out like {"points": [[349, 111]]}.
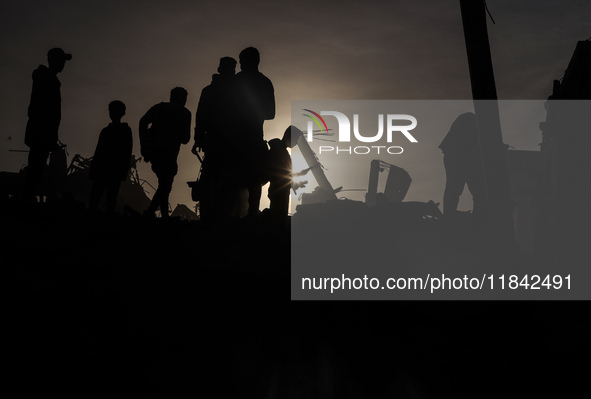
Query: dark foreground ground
{"points": [[128, 307]]}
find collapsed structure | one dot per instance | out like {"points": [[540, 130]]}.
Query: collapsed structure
{"points": [[324, 197], [63, 181]]}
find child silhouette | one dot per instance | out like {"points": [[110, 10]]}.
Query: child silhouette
{"points": [[112, 158]]}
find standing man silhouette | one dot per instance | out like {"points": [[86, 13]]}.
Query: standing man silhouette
{"points": [[278, 168], [214, 128], [162, 131], [44, 112], [463, 165], [256, 104]]}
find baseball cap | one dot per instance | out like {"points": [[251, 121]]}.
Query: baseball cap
{"points": [[59, 53]]}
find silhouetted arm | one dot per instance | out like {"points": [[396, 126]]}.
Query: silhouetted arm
{"points": [[186, 127], [145, 122], [269, 101], [128, 151], [201, 125]]}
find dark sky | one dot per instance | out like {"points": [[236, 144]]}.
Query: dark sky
{"points": [[137, 51]]}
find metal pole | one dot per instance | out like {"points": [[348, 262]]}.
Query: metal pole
{"points": [[498, 212]]}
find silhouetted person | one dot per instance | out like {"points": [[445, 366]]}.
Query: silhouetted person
{"points": [[214, 127], [111, 160], [463, 165], [278, 168], [256, 103], [162, 131], [41, 135]]}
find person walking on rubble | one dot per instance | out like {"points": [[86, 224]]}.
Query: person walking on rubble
{"points": [[44, 112], [256, 103], [111, 160], [214, 127], [463, 165], [278, 171], [162, 130]]}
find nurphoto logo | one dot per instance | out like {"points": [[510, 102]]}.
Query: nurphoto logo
{"points": [[344, 132]]}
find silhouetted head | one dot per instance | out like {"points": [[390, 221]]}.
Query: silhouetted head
{"points": [[291, 136], [178, 95], [116, 110], [227, 66], [249, 59], [277, 144], [467, 119], [467, 124], [56, 58]]}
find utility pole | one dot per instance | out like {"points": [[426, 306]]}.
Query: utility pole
{"points": [[498, 212]]}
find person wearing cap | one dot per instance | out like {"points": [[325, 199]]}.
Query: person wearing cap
{"points": [[44, 112]]}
